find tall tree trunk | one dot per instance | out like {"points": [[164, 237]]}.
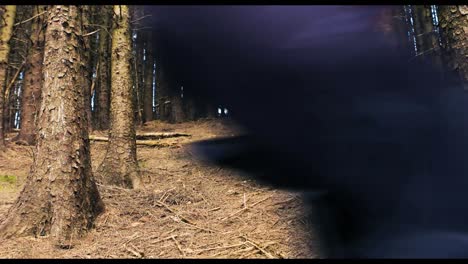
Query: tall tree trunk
{"points": [[175, 106], [426, 38], [422, 27], [178, 113], [103, 89], [32, 83], [6, 31], [454, 25], [87, 59], [60, 197], [139, 76], [163, 103], [94, 29], [191, 109], [138, 72], [148, 93], [120, 163], [162, 95]]}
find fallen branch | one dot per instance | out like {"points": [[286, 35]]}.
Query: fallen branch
{"points": [[174, 212], [160, 135], [214, 209], [163, 239], [151, 143], [98, 138], [201, 228], [242, 250], [133, 237]]}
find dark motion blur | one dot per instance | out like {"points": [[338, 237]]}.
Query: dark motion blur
{"points": [[333, 102]]}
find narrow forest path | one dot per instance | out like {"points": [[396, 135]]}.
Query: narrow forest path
{"points": [[186, 210]]}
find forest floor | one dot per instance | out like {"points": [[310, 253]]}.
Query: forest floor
{"points": [[187, 209]]}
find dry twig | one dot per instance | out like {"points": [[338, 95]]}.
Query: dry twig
{"points": [[243, 209], [256, 244], [29, 19], [178, 246]]}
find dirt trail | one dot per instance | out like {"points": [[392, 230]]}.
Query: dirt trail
{"points": [[187, 210]]}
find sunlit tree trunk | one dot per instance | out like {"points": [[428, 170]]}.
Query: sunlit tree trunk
{"points": [[6, 30], [120, 163], [60, 197]]}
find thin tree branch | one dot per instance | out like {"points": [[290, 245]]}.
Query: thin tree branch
{"points": [[8, 88], [97, 25], [137, 29], [91, 33], [138, 19], [29, 19], [424, 52]]}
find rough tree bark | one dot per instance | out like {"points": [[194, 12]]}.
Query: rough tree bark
{"points": [[454, 24], [6, 30], [32, 83], [60, 197], [120, 163], [103, 88]]}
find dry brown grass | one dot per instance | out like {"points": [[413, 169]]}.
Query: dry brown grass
{"points": [[186, 210]]}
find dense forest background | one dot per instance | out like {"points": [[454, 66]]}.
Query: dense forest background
{"points": [[437, 32], [70, 75]]}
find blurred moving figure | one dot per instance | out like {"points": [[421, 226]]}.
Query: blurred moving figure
{"points": [[333, 103]]}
